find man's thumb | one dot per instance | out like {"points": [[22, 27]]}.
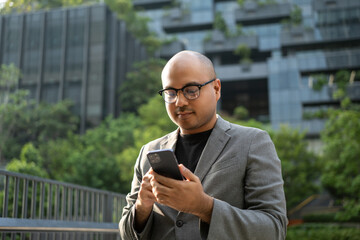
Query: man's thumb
{"points": [[186, 173]]}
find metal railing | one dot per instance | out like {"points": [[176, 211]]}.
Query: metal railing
{"points": [[38, 208]]}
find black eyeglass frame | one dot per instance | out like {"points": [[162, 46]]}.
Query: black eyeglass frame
{"points": [[182, 89]]}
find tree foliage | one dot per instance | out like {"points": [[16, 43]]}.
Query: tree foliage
{"points": [[220, 24], [138, 25], [300, 167], [34, 123], [341, 177], [18, 112], [141, 83], [244, 52], [9, 76], [341, 138], [28, 163], [20, 6]]}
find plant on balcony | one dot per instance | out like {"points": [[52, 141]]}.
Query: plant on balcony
{"points": [[244, 52], [295, 18], [259, 3], [183, 9], [220, 25]]}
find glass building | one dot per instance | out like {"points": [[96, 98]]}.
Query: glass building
{"points": [[81, 54], [84, 53], [276, 85]]}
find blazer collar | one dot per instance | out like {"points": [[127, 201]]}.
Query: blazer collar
{"points": [[169, 142], [215, 144]]}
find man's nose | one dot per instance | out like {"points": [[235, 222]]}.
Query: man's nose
{"points": [[181, 100]]}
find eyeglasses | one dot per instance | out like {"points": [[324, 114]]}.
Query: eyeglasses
{"points": [[191, 92]]}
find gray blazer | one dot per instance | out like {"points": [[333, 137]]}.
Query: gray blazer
{"points": [[239, 167]]}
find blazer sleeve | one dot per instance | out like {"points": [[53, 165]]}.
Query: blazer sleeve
{"points": [[126, 224], [264, 213]]}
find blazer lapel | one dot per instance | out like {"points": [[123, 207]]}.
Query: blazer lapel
{"points": [[170, 141], [213, 148]]}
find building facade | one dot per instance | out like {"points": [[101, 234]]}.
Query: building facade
{"points": [[285, 50], [84, 53], [81, 54]]}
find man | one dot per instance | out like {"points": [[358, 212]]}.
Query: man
{"points": [[233, 188]]}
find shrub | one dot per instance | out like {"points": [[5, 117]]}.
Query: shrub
{"points": [[322, 232]]}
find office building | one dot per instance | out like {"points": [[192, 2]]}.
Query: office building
{"points": [[81, 53], [285, 51]]}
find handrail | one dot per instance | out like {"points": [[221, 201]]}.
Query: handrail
{"points": [[38, 225], [34, 204]]}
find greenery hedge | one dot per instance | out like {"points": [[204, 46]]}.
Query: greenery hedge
{"points": [[322, 232], [327, 218]]}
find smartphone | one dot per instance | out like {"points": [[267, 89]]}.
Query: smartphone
{"points": [[164, 162]]}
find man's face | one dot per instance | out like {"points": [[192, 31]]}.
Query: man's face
{"points": [[197, 115]]}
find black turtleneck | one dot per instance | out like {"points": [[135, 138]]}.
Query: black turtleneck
{"points": [[189, 148]]}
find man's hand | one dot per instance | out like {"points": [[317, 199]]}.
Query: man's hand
{"points": [[185, 196], [144, 202]]}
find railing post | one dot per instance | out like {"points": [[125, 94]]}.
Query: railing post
{"points": [[25, 199], [6, 197], [109, 206], [16, 198]]}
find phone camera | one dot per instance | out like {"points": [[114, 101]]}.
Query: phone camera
{"points": [[155, 158]]}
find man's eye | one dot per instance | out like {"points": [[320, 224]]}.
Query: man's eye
{"points": [[170, 93], [191, 90]]}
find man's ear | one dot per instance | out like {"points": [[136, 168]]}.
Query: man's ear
{"points": [[217, 88]]}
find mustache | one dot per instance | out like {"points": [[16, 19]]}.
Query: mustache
{"points": [[182, 109]]}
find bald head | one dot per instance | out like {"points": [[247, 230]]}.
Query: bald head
{"points": [[186, 59]]}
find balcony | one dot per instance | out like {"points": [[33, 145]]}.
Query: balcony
{"points": [[326, 5], [301, 38], [170, 49], [252, 14], [151, 4], [238, 72], [329, 61], [181, 20], [353, 91], [218, 43]]}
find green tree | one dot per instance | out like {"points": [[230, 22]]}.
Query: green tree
{"points": [[34, 123], [9, 76], [138, 25], [55, 155], [155, 123], [20, 6], [95, 162], [47, 121], [29, 162], [241, 113], [141, 84], [154, 114], [300, 167], [341, 137]]}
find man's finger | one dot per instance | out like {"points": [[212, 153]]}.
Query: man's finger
{"points": [[187, 173], [168, 182]]}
